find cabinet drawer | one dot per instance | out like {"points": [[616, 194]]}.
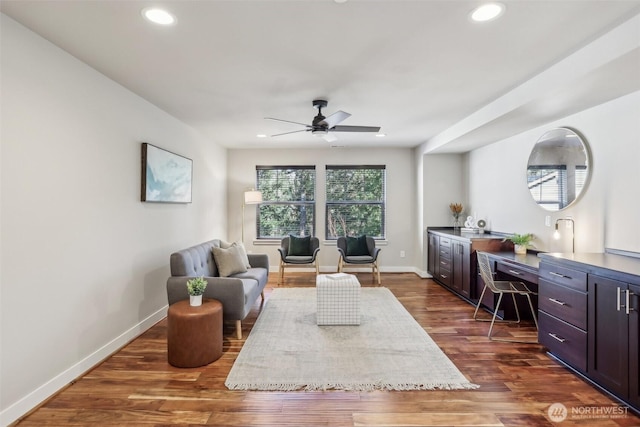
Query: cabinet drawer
{"points": [[564, 276], [564, 303], [445, 264], [445, 242], [512, 270], [445, 252], [565, 341], [445, 276]]}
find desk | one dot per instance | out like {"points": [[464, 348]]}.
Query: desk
{"points": [[511, 267]]}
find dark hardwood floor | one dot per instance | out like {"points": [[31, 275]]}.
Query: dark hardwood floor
{"points": [[518, 382]]}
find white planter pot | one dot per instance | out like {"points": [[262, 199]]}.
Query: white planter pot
{"points": [[195, 300], [520, 249]]}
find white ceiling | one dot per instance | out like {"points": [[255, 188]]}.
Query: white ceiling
{"points": [[418, 69]]}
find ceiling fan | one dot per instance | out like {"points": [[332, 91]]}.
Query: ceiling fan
{"points": [[323, 127]]}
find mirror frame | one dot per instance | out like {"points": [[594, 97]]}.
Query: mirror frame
{"points": [[536, 150]]}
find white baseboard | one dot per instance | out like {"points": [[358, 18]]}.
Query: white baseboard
{"points": [[332, 269], [51, 387]]}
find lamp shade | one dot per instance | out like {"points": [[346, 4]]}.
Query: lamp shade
{"points": [[252, 197]]}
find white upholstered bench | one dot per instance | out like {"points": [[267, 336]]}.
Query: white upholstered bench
{"points": [[338, 299]]}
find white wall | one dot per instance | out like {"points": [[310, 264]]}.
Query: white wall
{"points": [[608, 212], [402, 230], [443, 183], [84, 263]]}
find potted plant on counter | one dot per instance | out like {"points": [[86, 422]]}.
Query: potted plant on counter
{"points": [[520, 242], [196, 287]]}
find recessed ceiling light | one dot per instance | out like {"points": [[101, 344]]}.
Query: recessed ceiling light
{"points": [[261, 135], [487, 12], [381, 135], [340, 1], [158, 16]]}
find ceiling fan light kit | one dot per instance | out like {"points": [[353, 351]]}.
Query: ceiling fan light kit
{"points": [[324, 127]]}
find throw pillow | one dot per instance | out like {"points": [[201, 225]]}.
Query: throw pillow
{"points": [[229, 261], [357, 246], [243, 251], [299, 246]]}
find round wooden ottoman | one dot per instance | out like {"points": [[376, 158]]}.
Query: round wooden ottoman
{"points": [[194, 337]]}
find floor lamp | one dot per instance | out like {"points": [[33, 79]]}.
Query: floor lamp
{"points": [[556, 233], [251, 197]]}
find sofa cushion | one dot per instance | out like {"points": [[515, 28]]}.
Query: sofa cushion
{"points": [[243, 251], [357, 246], [299, 246], [229, 261]]}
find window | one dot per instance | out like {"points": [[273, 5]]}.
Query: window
{"points": [[553, 187], [288, 201], [355, 201]]}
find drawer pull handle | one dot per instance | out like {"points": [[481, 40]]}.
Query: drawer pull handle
{"points": [[515, 273], [629, 309], [443, 276], [555, 337], [557, 301], [618, 299], [443, 263], [553, 273]]}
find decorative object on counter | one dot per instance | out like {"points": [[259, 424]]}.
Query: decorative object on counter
{"points": [[481, 225], [557, 235], [470, 225], [196, 287], [456, 211], [520, 242]]}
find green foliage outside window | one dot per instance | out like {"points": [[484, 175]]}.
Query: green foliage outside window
{"points": [[355, 201], [288, 207]]}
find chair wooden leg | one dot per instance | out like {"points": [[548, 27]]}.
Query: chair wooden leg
{"points": [[281, 273], [340, 265], [239, 329], [376, 269]]}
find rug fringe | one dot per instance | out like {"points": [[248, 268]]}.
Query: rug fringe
{"points": [[351, 387]]}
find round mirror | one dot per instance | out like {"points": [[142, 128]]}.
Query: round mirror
{"points": [[558, 169]]}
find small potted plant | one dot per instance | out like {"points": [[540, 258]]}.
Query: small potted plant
{"points": [[196, 287], [520, 242]]}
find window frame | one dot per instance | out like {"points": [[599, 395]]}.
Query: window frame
{"points": [[383, 203], [266, 202]]}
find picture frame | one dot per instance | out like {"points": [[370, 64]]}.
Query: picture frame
{"points": [[166, 176]]}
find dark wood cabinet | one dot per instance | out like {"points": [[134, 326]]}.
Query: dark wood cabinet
{"points": [[588, 312], [613, 336], [562, 313], [451, 258]]}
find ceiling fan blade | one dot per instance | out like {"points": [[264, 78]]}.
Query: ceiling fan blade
{"points": [[287, 133], [286, 121], [335, 118], [329, 137], [355, 129]]}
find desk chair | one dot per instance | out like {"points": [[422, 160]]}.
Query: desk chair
{"points": [[501, 288]]}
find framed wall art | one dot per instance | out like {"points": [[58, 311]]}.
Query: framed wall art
{"points": [[166, 176]]}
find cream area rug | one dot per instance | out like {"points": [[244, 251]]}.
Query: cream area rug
{"points": [[389, 350]]}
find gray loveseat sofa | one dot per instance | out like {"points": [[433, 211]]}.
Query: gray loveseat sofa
{"points": [[237, 293]]}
